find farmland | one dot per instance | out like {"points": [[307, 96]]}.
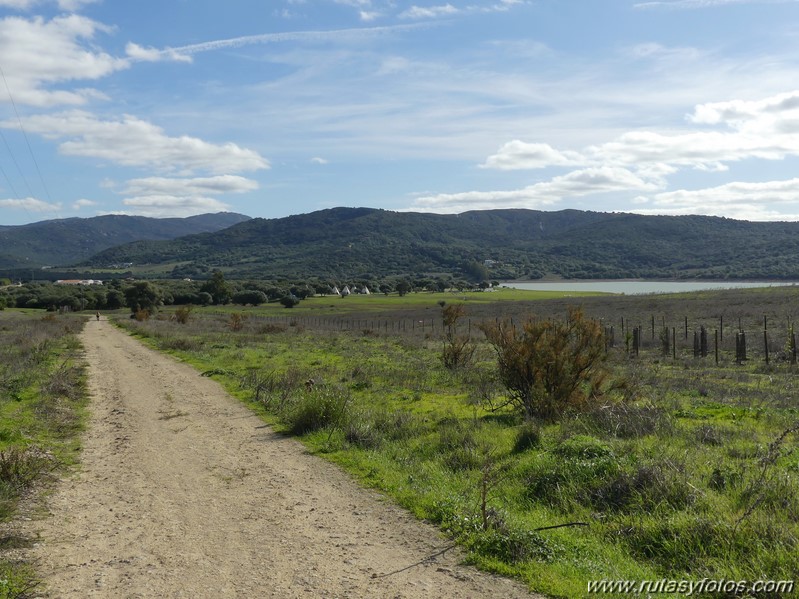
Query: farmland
{"points": [[684, 468]]}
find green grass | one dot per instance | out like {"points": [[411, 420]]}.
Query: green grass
{"points": [[678, 475], [42, 410], [377, 302]]}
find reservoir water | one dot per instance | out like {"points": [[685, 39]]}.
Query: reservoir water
{"points": [[641, 287]]}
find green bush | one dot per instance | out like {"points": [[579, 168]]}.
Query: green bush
{"points": [[527, 437], [317, 408], [548, 366]]}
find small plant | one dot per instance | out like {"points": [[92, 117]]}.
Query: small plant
{"points": [[550, 366], [458, 349], [236, 321], [527, 437], [182, 314], [318, 408]]}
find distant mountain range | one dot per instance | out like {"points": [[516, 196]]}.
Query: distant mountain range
{"points": [[71, 240], [351, 243]]}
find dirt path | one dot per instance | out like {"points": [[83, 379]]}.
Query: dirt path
{"points": [[185, 493]]}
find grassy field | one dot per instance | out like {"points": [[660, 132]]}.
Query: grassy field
{"points": [[42, 400], [687, 469]]}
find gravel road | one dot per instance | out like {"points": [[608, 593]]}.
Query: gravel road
{"points": [[183, 492]]}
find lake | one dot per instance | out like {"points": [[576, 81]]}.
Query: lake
{"points": [[641, 287]]}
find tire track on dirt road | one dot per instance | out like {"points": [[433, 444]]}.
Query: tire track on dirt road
{"points": [[183, 492]]}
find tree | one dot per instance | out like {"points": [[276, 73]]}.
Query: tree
{"points": [[115, 299], [550, 366], [143, 296], [217, 287], [250, 296], [403, 287], [475, 272], [204, 298], [289, 301]]}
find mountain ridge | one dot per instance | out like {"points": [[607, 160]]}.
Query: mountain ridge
{"points": [[517, 243], [65, 241]]}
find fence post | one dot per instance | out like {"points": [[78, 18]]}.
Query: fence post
{"points": [[674, 342]]}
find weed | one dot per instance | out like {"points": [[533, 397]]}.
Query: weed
{"points": [[182, 314], [236, 321], [317, 408], [19, 468], [528, 437], [624, 420], [19, 580]]}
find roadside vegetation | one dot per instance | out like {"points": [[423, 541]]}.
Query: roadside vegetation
{"points": [[653, 462], [42, 397]]}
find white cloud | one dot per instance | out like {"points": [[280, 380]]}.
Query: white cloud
{"points": [[691, 4], [574, 184], [73, 5], [38, 54], [134, 142], [17, 4], [358, 33], [139, 53], [66, 5], [765, 129], [318, 160], [82, 203], [516, 155], [745, 200], [430, 12], [724, 132], [30, 204], [174, 206], [173, 197], [154, 186]]}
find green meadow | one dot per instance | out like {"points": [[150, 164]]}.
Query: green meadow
{"points": [[683, 467]]}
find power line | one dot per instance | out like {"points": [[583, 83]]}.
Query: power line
{"points": [[27, 141]]}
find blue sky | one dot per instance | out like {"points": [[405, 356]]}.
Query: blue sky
{"points": [[278, 107]]}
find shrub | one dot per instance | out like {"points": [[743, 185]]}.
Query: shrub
{"points": [[583, 447], [289, 301], [319, 407], [550, 366], [458, 445], [361, 431], [512, 546], [370, 429], [647, 487], [625, 421], [458, 349], [20, 467], [236, 321], [527, 437], [182, 314]]}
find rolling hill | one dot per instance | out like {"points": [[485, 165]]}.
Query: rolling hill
{"points": [[365, 242], [71, 240]]}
